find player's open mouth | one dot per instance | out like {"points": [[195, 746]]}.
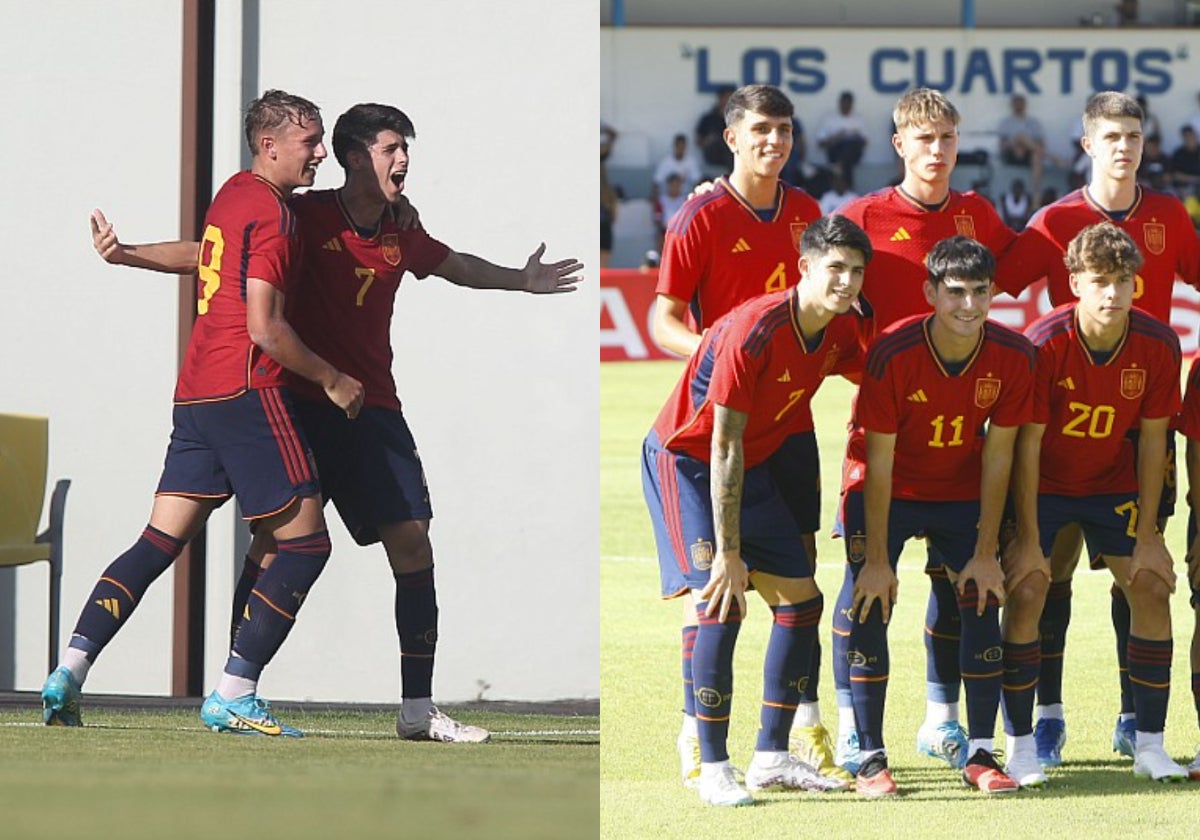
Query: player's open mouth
{"points": [[397, 179]]}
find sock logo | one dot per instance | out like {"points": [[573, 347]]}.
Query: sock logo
{"points": [[430, 636], [112, 605]]}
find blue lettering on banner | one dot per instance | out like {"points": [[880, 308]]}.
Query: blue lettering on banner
{"points": [[893, 69]]}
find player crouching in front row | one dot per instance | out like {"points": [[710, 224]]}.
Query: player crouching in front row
{"points": [[1104, 371], [932, 384], [720, 521]]}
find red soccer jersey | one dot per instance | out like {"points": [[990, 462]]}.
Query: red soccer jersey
{"points": [[347, 285], [1089, 406], [719, 252], [903, 231], [249, 231], [1158, 223], [754, 360], [1189, 415], [938, 418]]}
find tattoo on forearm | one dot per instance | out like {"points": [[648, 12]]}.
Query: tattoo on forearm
{"points": [[728, 477]]}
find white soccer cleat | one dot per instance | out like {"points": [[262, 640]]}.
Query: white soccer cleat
{"points": [[688, 747], [437, 726], [1025, 769], [719, 786], [786, 772], [1152, 761]]}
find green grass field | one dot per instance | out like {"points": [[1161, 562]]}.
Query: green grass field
{"points": [[159, 774], [1095, 794]]}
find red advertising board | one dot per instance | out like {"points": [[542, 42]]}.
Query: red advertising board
{"points": [[627, 305]]}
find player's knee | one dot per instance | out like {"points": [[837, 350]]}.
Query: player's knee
{"points": [[1028, 596], [407, 545], [1149, 590]]}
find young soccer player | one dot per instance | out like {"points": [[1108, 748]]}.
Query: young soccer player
{"points": [[235, 430], [357, 251], [941, 400], [904, 223], [725, 246], [1104, 370], [720, 518], [1160, 226]]}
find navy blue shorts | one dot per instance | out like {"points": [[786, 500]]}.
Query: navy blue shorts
{"points": [[1108, 523], [250, 446], [369, 467], [677, 493], [796, 468], [1166, 502], [952, 528]]}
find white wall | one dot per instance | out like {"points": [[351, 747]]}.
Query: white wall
{"points": [[501, 390]]}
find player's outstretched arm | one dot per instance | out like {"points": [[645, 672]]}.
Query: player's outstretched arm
{"points": [[170, 257], [536, 277]]}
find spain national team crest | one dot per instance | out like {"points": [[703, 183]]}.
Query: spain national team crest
{"points": [[1133, 383], [389, 246], [1155, 234], [798, 229], [702, 555], [987, 391], [965, 225]]}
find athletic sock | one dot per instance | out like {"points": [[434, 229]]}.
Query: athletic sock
{"points": [[712, 669], [251, 572], [789, 652], [981, 660], [1150, 681], [416, 625], [120, 589], [869, 673], [689, 694], [943, 630], [1022, 662], [1119, 608], [1056, 617], [275, 600]]}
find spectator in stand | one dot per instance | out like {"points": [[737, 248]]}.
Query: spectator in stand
{"points": [[839, 193], [843, 136], [1126, 13], [710, 133], [1016, 205], [1023, 141], [1155, 166], [1185, 163], [668, 202], [679, 162], [610, 198], [1150, 125]]}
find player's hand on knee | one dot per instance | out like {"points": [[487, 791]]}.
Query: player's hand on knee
{"points": [[726, 586], [988, 575], [1020, 559], [1150, 556], [875, 583]]}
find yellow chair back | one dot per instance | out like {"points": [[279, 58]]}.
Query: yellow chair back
{"points": [[24, 448]]}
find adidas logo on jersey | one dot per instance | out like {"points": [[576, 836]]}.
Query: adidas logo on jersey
{"points": [[334, 244], [901, 235], [1067, 383], [787, 376], [918, 397], [740, 247], [112, 605]]}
